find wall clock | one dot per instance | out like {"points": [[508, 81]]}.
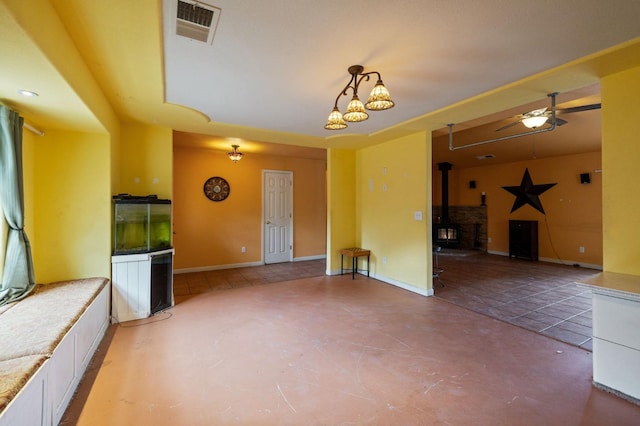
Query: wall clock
{"points": [[216, 188]]}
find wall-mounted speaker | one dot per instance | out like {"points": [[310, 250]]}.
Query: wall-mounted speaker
{"points": [[472, 184], [585, 178]]}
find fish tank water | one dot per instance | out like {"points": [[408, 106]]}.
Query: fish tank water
{"points": [[141, 224]]}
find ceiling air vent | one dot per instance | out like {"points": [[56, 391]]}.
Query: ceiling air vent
{"points": [[485, 157], [197, 21]]}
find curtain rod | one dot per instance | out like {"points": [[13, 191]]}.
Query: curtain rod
{"points": [[32, 129]]}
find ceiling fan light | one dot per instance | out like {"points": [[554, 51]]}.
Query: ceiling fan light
{"points": [[355, 111], [335, 120], [534, 122], [379, 98]]}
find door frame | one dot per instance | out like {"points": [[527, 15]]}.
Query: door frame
{"points": [[290, 225]]}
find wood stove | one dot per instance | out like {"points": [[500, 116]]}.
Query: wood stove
{"points": [[446, 234]]}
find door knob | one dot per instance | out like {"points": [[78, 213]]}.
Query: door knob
{"points": [[268, 222]]}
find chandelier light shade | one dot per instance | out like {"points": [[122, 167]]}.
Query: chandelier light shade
{"points": [[379, 99], [355, 111], [235, 155], [535, 121], [335, 120]]}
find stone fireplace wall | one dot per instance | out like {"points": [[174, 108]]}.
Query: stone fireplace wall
{"points": [[469, 218]]}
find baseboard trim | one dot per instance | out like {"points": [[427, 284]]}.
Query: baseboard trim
{"points": [[216, 267], [306, 258], [571, 263], [404, 286], [555, 260], [241, 265], [395, 283]]}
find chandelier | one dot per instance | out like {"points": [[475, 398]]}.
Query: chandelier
{"points": [[379, 99], [235, 155]]}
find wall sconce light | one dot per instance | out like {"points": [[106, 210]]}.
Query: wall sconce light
{"points": [[379, 99], [235, 155]]}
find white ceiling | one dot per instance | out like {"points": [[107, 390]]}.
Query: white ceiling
{"points": [[280, 64], [275, 68]]}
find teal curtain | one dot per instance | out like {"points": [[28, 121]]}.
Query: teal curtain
{"points": [[18, 278]]}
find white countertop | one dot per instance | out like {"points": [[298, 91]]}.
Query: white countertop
{"points": [[615, 284]]}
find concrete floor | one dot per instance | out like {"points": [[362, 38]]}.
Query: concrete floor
{"points": [[336, 351]]}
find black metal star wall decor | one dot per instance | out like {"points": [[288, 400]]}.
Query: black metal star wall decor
{"points": [[528, 193]]}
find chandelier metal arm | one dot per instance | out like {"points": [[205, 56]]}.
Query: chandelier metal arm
{"points": [[344, 91], [354, 83], [532, 132], [363, 76]]}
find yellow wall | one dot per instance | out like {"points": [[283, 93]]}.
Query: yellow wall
{"points": [[211, 234], [393, 182], [28, 154], [341, 205], [72, 205], [146, 160], [573, 210], [620, 159], [67, 175]]}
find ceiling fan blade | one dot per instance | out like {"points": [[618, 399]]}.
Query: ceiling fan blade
{"points": [[559, 122], [508, 125], [536, 112], [580, 108]]}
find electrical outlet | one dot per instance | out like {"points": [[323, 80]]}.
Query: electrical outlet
{"points": [[384, 259], [581, 249], [244, 249], [489, 240]]}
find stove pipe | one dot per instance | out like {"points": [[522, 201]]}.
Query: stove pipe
{"points": [[444, 168]]}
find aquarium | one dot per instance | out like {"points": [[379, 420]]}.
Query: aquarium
{"points": [[141, 224]]}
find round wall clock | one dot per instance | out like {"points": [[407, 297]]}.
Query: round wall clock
{"points": [[216, 188]]}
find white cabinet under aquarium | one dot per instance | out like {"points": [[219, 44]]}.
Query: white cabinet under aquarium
{"points": [[142, 261]]}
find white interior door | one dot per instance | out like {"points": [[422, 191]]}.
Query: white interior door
{"points": [[278, 216]]}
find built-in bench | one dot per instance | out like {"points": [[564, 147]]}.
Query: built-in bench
{"points": [[46, 343]]}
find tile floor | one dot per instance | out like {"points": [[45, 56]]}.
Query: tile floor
{"points": [[539, 296]]}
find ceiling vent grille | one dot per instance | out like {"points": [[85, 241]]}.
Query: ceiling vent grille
{"points": [[197, 21], [485, 157]]}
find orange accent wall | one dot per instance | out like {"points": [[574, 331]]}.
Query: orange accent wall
{"points": [[573, 210], [211, 234]]}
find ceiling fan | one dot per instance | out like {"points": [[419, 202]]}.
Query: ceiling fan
{"points": [[538, 117]]}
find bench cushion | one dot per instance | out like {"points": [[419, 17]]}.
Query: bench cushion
{"points": [[15, 373], [36, 324]]}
